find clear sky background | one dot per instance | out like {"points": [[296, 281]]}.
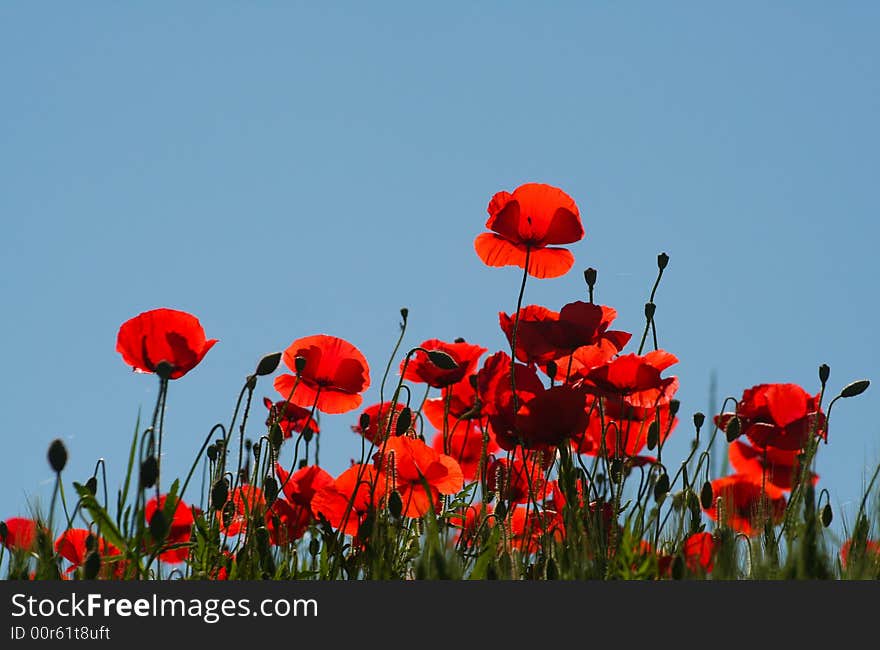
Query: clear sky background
{"points": [[286, 169]]}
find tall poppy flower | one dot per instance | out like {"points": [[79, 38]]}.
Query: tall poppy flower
{"points": [[778, 467], [551, 417], [520, 480], [777, 415], [291, 418], [288, 519], [497, 395], [20, 534], [544, 335], [530, 223], [73, 546], [421, 369], [175, 337], [744, 500], [347, 502], [418, 473], [179, 530], [335, 373], [634, 379], [698, 552]]}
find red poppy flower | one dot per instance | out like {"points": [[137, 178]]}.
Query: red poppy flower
{"points": [[179, 530], [634, 379], [248, 504], [532, 220], [742, 498], [872, 551], [288, 520], [551, 417], [21, 534], [465, 445], [72, 546], [335, 373], [698, 551], [543, 335], [777, 415], [290, 417], [418, 473], [778, 467], [347, 501], [168, 335], [497, 398], [529, 528], [626, 429], [421, 369], [470, 521], [379, 426], [463, 404]]}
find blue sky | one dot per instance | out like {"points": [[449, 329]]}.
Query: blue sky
{"points": [[287, 169]]}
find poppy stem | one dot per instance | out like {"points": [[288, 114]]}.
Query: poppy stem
{"points": [[522, 290]]}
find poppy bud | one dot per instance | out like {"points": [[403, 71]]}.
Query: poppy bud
{"points": [[855, 388], [442, 360], [662, 261], [706, 495], [824, 373], [404, 420], [270, 489], [653, 434], [552, 369], [268, 364], [211, 452], [92, 565], [219, 493], [460, 339], [674, 405], [149, 472], [57, 455], [251, 383], [164, 370], [308, 434], [299, 364], [827, 515], [661, 487], [590, 277], [364, 421], [276, 437], [616, 469], [693, 503], [699, 419], [404, 313], [650, 308], [395, 505], [158, 526], [303, 463], [92, 485], [366, 527], [314, 547], [4, 531], [732, 430]]}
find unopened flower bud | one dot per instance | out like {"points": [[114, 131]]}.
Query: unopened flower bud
{"points": [[650, 309], [219, 493], [824, 373], [733, 429], [855, 388], [268, 364], [404, 420], [158, 526], [706, 495], [827, 515], [299, 363], [442, 360], [590, 277], [149, 472], [662, 261], [57, 455], [699, 419], [92, 485]]}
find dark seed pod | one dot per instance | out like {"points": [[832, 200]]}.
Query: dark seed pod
{"points": [[211, 452], [404, 421], [395, 505], [364, 421], [706, 495], [699, 419], [219, 493], [92, 485], [733, 429], [855, 388], [404, 313], [164, 370], [653, 434], [149, 472], [442, 360], [827, 515], [662, 261], [590, 277], [268, 364], [57, 455], [661, 487], [158, 526]]}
